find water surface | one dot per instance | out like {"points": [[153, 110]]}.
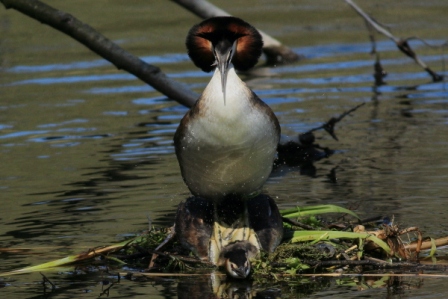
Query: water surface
{"points": [[87, 153]]}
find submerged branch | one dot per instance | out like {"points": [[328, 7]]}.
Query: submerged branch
{"points": [[275, 51], [104, 47], [329, 125], [375, 263], [401, 43]]}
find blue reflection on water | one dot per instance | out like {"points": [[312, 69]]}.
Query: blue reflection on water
{"points": [[164, 59]]}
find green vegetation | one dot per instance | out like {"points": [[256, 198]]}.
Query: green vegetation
{"points": [[328, 245]]}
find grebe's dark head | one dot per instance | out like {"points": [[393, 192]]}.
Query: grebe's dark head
{"points": [[220, 41]]}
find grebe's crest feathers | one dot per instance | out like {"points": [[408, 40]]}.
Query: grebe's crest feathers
{"points": [[203, 37]]}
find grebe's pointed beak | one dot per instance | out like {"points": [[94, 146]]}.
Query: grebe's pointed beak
{"points": [[224, 52]]}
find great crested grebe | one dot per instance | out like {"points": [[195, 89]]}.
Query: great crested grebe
{"points": [[226, 144]]}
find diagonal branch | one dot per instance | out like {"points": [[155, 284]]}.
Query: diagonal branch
{"points": [[104, 47], [402, 44]]}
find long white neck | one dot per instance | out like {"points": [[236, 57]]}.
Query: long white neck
{"points": [[227, 148], [237, 95]]}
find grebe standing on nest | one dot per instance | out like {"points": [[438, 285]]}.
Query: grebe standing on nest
{"points": [[227, 142]]}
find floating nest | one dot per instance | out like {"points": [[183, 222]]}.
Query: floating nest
{"points": [[311, 245]]}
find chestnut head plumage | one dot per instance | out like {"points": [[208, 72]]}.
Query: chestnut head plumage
{"points": [[224, 34]]}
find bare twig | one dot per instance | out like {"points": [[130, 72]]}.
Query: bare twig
{"points": [[329, 125], [44, 281], [104, 47], [298, 224], [401, 43], [314, 275], [376, 263], [187, 259], [275, 51], [419, 235], [427, 244], [128, 275], [304, 151], [169, 237]]}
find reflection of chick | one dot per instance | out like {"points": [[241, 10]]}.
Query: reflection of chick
{"points": [[194, 227]]}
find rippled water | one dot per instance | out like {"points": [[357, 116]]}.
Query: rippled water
{"points": [[87, 153]]}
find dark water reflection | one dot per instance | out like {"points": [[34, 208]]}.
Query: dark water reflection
{"points": [[87, 155]]}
